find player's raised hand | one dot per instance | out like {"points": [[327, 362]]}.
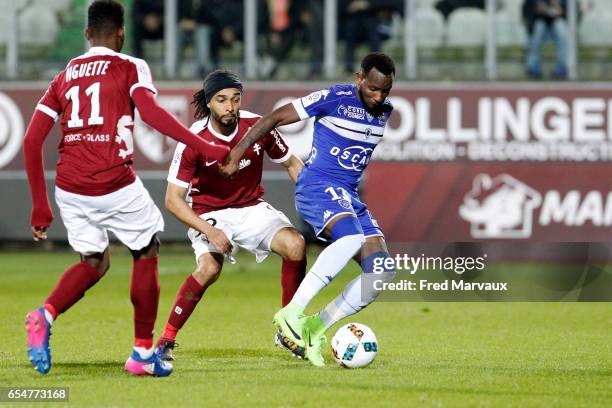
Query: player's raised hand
{"points": [[39, 233], [219, 240], [231, 165]]}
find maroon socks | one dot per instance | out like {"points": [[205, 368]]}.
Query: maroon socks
{"points": [[291, 276], [144, 293], [186, 300], [71, 287]]}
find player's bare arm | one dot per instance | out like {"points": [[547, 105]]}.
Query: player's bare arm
{"points": [[176, 204], [294, 166], [284, 115]]}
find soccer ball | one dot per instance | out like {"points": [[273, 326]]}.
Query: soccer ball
{"points": [[354, 345]]}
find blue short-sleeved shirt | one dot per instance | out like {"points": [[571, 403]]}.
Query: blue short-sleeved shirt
{"points": [[345, 136]]}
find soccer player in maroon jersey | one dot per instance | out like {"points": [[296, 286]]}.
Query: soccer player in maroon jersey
{"points": [[96, 188], [222, 213]]}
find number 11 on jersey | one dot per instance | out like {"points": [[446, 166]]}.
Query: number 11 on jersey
{"points": [[93, 92]]}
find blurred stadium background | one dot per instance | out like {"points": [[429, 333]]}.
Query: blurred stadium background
{"points": [[430, 39], [480, 147]]}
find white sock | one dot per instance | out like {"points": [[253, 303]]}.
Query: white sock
{"points": [[327, 266], [358, 294], [144, 353], [345, 304], [48, 317]]}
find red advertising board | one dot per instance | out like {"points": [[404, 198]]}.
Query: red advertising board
{"points": [[457, 163]]}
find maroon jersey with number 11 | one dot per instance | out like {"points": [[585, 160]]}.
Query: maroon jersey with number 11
{"points": [[92, 99]]}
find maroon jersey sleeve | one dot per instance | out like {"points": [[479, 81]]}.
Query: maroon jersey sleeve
{"points": [[139, 76], [184, 166], [50, 103], [277, 148], [38, 129]]}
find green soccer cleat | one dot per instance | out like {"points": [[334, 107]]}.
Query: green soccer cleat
{"points": [[284, 343], [289, 321], [313, 333]]}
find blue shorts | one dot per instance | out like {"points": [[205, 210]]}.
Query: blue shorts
{"points": [[319, 201]]}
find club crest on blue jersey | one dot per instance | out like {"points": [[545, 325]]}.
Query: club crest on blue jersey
{"points": [[345, 204], [382, 119]]}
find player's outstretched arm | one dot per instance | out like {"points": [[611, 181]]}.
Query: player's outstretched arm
{"points": [[294, 166], [176, 204], [284, 115], [162, 121], [38, 129]]}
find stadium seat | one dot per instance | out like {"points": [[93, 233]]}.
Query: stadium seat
{"points": [[38, 25], [5, 16], [396, 32], [595, 29], [512, 7], [7, 4], [429, 28], [598, 5], [510, 30], [58, 6], [467, 28], [424, 4], [4, 21]]}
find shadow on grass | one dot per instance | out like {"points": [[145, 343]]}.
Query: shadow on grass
{"points": [[89, 364], [241, 360], [236, 353], [72, 369], [90, 367]]}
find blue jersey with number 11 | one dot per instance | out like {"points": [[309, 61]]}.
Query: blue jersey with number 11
{"points": [[345, 133]]}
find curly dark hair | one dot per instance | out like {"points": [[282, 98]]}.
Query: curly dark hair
{"points": [[380, 61], [104, 17], [199, 101]]}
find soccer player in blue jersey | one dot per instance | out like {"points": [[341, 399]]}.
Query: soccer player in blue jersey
{"points": [[350, 120]]}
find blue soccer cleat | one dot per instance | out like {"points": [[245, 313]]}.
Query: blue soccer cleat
{"points": [[39, 331], [153, 365], [165, 349]]}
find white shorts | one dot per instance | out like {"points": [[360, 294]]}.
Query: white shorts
{"points": [[129, 213], [251, 228]]}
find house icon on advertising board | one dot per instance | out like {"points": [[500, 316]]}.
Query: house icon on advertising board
{"points": [[500, 207]]}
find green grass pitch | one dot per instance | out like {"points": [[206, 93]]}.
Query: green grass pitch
{"points": [[434, 354]]}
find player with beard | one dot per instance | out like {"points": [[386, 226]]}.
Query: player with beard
{"points": [[350, 120], [223, 213]]}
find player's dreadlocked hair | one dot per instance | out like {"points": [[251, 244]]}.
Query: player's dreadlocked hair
{"points": [[381, 61], [199, 101], [104, 17]]}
